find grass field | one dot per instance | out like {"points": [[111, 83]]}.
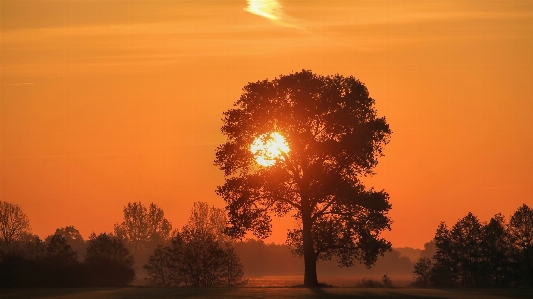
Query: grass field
{"points": [[264, 292]]}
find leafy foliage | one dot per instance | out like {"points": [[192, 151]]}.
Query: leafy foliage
{"points": [[142, 226], [13, 222], [198, 255], [59, 251], [108, 261], [334, 136], [72, 236], [521, 235], [475, 254]]}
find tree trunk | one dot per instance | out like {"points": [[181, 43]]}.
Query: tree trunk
{"points": [[310, 278]]}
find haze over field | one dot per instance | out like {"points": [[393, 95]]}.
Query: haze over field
{"points": [[108, 102]]}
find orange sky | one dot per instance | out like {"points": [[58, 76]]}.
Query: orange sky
{"points": [[106, 102]]}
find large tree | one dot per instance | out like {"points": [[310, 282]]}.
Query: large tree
{"points": [[334, 137]]}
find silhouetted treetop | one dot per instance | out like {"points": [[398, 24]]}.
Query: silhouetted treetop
{"points": [[13, 222], [142, 225]]}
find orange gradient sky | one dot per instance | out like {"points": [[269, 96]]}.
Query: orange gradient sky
{"points": [[107, 102]]}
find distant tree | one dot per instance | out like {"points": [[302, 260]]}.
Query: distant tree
{"points": [[521, 235], [444, 272], [13, 222], [108, 261], [29, 247], [334, 137], [59, 252], [160, 268], [429, 249], [73, 238], [472, 254], [198, 256], [495, 264], [466, 249], [232, 268], [422, 272], [386, 281], [207, 219], [143, 228]]}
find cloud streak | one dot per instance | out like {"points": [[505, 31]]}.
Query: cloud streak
{"points": [[270, 9]]}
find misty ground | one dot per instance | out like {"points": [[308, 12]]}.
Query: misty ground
{"points": [[261, 292]]}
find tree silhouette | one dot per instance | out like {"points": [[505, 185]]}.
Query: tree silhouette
{"points": [[521, 233], [422, 272], [108, 261], [59, 252], [198, 255], [495, 252], [335, 137], [73, 238], [143, 227], [444, 271], [13, 222], [475, 254], [160, 269], [207, 219]]}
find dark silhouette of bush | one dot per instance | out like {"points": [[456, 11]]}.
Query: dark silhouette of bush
{"points": [[73, 238], [55, 266], [108, 262], [198, 255], [369, 283]]}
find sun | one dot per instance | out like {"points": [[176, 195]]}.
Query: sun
{"points": [[267, 148]]}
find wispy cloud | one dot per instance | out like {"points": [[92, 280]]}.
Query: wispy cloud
{"points": [[17, 84], [270, 9]]}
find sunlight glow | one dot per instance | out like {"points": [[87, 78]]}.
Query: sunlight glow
{"points": [[269, 147], [270, 9]]}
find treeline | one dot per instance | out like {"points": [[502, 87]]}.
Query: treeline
{"points": [[475, 254], [31, 262], [199, 254]]}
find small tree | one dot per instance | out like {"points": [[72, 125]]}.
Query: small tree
{"points": [[108, 261], [333, 137], [207, 219], [160, 269], [444, 271], [72, 237], [198, 255], [422, 272], [386, 281], [59, 252], [466, 249], [521, 234], [143, 226], [13, 222], [495, 253]]}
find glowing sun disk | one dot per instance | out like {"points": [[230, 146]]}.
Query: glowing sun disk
{"points": [[269, 147]]}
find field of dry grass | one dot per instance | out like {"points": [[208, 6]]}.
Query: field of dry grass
{"points": [[264, 292]]}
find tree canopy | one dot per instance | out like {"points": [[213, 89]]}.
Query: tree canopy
{"points": [[334, 137], [199, 254], [143, 225]]}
